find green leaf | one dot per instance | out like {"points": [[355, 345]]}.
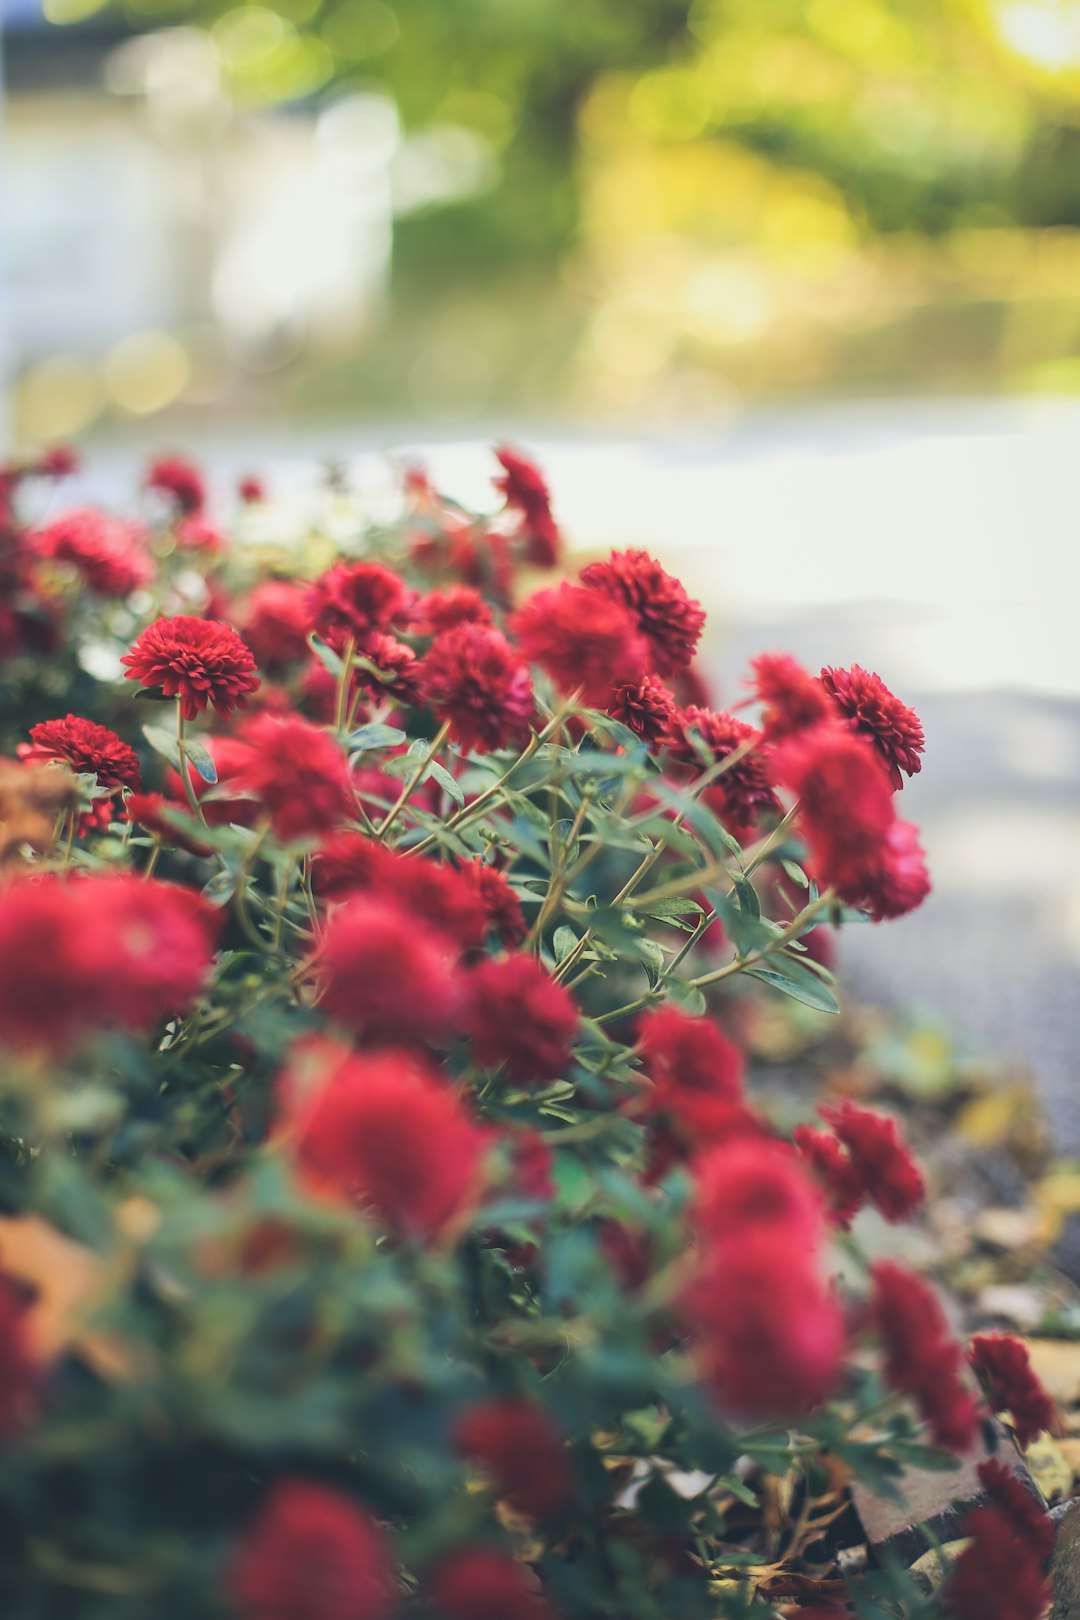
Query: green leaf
{"points": [[446, 782], [796, 873], [220, 889], [326, 656], [152, 694], [796, 982], [376, 735], [564, 942], [686, 996], [201, 758], [163, 742]]}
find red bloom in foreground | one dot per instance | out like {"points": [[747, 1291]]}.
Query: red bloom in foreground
{"points": [[1021, 1505], [298, 773], [102, 551], [90, 750], [845, 806], [517, 1014], [435, 896], [1004, 1368], [179, 480], [696, 1075], [668, 619], [1000, 1575], [312, 1554], [483, 1583], [518, 1445], [921, 1357], [889, 1176], [276, 622], [895, 730], [792, 699], [200, 661], [352, 599], [18, 1372], [475, 682], [383, 976], [834, 1171], [228, 804], [384, 1131], [901, 881], [647, 708], [109, 949], [501, 905], [581, 638]]}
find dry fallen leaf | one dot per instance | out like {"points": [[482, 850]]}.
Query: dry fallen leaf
{"points": [[1057, 1363], [67, 1280]]}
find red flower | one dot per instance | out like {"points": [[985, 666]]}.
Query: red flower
{"points": [[755, 1183], [1004, 1368], [197, 533], [647, 708], [397, 664], [581, 638], [437, 897], [473, 680], [845, 806], [901, 881], [251, 489], [834, 1171], [526, 491], [276, 622], [696, 1091], [921, 1358], [483, 1583], [791, 697], [518, 1445], [59, 461], [668, 619], [445, 610], [298, 773], [179, 480], [228, 804], [500, 903], [890, 1178], [103, 552], [742, 793], [517, 1014], [90, 750], [384, 976], [109, 949], [895, 730], [1000, 1574], [18, 1373], [1022, 1506], [312, 1554], [352, 599], [200, 661], [384, 1131], [146, 809]]}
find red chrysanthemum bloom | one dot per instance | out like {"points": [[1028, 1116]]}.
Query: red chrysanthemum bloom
{"points": [[385, 1132], [668, 619], [149, 811], [18, 1371], [1020, 1504], [298, 773], [484, 1583], [227, 806], [872, 710], [501, 905], [276, 623], [102, 551], [769, 1332], [251, 489], [312, 1554], [92, 952], [352, 599], [846, 807], [383, 976], [828, 1159], [90, 750], [474, 681], [890, 1177], [200, 661], [791, 698], [197, 533], [755, 1182], [743, 793], [527, 492], [647, 708], [1004, 1368], [399, 668], [179, 480], [922, 1359], [445, 610], [581, 638], [59, 461], [901, 881], [438, 897], [516, 1013], [516, 1443], [1000, 1574], [696, 1086]]}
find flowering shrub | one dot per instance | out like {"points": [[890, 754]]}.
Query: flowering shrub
{"points": [[387, 1228]]}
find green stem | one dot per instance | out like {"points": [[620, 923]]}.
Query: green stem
{"points": [[411, 783]]}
